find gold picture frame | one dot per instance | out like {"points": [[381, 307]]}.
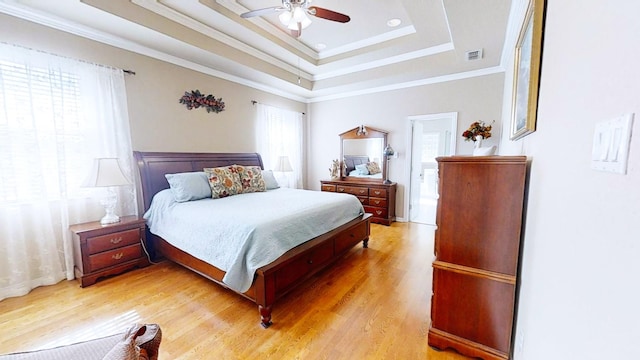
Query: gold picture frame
{"points": [[526, 74]]}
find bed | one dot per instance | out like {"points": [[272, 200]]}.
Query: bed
{"points": [[360, 166], [271, 281]]}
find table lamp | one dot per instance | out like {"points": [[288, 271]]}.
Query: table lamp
{"points": [[106, 172], [388, 153]]}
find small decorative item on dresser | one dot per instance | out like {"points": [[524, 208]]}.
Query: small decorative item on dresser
{"points": [[334, 170], [477, 132], [195, 99]]}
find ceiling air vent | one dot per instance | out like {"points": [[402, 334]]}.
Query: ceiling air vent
{"points": [[473, 55]]}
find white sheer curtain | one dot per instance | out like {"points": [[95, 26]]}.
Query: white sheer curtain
{"points": [[279, 132], [56, 115]]}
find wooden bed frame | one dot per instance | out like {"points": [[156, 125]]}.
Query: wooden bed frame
{"points": [[271, 281]]}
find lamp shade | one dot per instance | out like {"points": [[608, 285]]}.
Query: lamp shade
{"points": [[283, 164], [105, 172]]}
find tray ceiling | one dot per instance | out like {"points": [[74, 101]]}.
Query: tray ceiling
{"points": [[329, 60]]}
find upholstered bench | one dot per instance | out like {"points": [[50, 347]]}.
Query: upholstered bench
{"points": [[139, 342]]}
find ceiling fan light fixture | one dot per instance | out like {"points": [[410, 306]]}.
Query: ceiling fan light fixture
{"points": [[300, 16], [285, 18]]}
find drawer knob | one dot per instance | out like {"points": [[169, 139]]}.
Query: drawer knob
{"points": [[377, 202], [377, 192], [117, 256], [115, 240], [379, 212], [310, 262]]}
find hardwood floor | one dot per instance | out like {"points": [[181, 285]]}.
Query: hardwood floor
{"points": [[373, 304]]}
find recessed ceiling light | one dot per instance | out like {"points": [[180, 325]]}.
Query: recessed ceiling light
{"points": [[321, 46], [394, 22]]}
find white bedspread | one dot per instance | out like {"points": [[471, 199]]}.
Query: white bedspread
{"points": [[241, 233]]}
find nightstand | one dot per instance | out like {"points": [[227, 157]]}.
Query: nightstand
{"points": [[108, 250]]}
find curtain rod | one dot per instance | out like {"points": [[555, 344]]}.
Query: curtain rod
{"points": [[253, 102], [126, 71]]}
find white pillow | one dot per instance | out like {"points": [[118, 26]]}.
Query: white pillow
{"points": [[189, 186], [269, 180]]}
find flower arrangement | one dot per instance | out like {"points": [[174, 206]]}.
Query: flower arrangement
{"points": [[195, 99], [477, 128]]}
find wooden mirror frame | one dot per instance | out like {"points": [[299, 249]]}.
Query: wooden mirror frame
{"points": [[358, 133]]}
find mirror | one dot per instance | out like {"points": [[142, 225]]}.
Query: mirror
{"points": [[361, 151]]}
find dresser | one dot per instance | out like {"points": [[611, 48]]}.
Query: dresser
{"points": [[108, 250], [378, 199], [477, 247]]}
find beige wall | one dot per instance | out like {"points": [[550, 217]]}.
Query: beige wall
{"points": [[158, 121], [474, 99]]}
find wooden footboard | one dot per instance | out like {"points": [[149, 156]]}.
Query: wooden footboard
{"points": [[274, 280]]}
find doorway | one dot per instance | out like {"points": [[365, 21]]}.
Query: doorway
{"points": [[431, 136]]}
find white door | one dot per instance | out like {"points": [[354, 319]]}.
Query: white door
{"points": [[432, 136]]}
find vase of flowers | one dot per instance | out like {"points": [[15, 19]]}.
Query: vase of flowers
{"points": [[477, 132]]}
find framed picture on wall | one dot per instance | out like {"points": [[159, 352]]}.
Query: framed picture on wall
{"points": [[526, 77]]}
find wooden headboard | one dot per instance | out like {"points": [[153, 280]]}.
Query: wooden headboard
{"points": [[154, 165]]}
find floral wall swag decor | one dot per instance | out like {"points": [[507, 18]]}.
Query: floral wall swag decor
{"points": [[478, 128], [195, 99]]}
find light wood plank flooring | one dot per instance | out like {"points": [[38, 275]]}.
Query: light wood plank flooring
{"points": [[373, 304]]}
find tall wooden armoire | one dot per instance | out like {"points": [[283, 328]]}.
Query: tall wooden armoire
{"points": [[477, 246]]}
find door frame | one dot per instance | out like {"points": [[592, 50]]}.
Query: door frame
{"points": [[453, 116]]}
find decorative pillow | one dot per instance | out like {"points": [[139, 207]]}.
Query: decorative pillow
{"points": [[224, 181], [189, 186], [270, 180], [374, 168], [362, 169], [250, 178]]}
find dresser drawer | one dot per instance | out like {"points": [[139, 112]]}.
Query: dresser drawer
{"points": [[377, 202], [379, 193], [376, 211], [355, 190], [114, 257], [328, 187], [113, 241]]}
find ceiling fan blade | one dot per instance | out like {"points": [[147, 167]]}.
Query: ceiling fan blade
{"points": [[328, 14], [260, 12]]}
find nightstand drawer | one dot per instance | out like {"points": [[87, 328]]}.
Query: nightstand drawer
{"points": [[380, 193], [114, 257], [113, 241]]}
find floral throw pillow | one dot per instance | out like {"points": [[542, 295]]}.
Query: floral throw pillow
{"points": [[374, 168], [224, 181], [251, 178]]}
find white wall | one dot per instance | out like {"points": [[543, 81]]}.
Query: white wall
{"points": [[580, 279]]}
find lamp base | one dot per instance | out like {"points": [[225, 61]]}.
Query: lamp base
{"points": [[110, 219], [387, 182], [109, 202]]}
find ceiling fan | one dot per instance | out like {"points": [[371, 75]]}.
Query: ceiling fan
{"points": [[294, 14]]}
